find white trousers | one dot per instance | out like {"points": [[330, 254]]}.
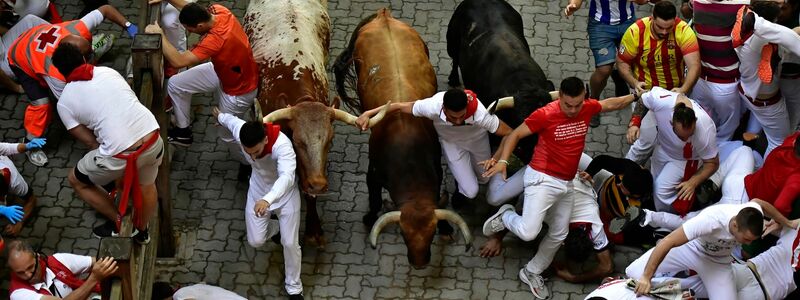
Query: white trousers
{"points": [[500, 191], [463, 159], [203, 79], [288, 210], [666, 177], [737, 161], [790, 88], [774, 119], [642, 148], [547, 199], [713, 271], [722, 102], [173, 30]]}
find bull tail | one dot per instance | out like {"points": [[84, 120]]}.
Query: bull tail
{"points": [[345, 72]]}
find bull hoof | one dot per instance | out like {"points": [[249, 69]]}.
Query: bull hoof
{"points": [[317, 241], [369, 220]]}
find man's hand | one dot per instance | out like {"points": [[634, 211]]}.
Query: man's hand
{"points": [[678, 90], [686, 189], [103, 268], [642, 286], [18, 89], [770, 227], [640, 87], [571, 9], [262, 207], [633, 134], [35, 143], [153, 28], [497, 168], [586, 177], [362, 122], [132, 30], [487, 164], [215, 112], [151, 2], [14, 213]]}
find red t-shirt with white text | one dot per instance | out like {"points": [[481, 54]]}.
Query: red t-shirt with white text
{"points": [[778, 181], [561, 139]]}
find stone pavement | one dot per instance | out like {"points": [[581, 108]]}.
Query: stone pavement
{"points": [[208, 207]]}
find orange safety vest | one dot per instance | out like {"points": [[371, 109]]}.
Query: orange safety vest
{"points": [[32, 52]]}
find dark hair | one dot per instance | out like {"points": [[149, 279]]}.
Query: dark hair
{"points": [[455, 100], [67, 57], [578, 244], [252, 133], [638, 181], [162, 290], [193, 14], [683, 114], [768, 10], [21, 245], [750, 219], [665, 10], [572, 86]]}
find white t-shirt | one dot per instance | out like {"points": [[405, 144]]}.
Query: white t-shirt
{"points": [[107, 106], [750, 54], [661, 102], [475, 127], [205, 292], [80, 265], [31, 7], [274, 174], [17, 185], [774, 266], [615, 290], [586, 210], [709, 229]]}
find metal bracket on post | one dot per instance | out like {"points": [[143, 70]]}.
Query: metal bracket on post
{"points": [[119, 248], [146, 55]]}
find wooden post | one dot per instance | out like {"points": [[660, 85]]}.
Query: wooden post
{"points": [[121, 285]]}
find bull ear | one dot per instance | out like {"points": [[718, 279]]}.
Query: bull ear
{"points": [[336, 102], [282, 99]]}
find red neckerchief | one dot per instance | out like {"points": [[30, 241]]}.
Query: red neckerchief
{"points": [[83, 72], [682, 207], [472, 104], [271, 131]]}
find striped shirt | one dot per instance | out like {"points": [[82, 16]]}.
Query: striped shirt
{"points": [[713, 21], [657, 62], [611, 12]]}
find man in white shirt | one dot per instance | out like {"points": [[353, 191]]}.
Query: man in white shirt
{"points": [[704, 244], [200, 291], [12, 184], [462, 123], [756, 39], [273, 188], [36, 276], [99, 109], [687, 138]]}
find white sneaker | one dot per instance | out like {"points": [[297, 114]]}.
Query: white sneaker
{"points": [[273, 227], [535, 282], [495, 223], [101, 43], [36, 156]]}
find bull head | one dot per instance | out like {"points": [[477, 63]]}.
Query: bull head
{"points": [[312, 132], [418, 227]]}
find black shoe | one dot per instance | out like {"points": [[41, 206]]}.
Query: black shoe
{"points": [[244, 172], [108, 229], [141, 237], [180, 136], [458, 200], [296, 297], [633, 215]]}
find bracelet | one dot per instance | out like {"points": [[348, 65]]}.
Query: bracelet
{"points": [[503, 161], [636, 97], [635, 121]]}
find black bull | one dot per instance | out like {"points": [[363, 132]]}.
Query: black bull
{"points": [[485, 39]]}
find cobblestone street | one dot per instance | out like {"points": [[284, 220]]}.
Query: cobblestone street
{"points": [[209, 202]]}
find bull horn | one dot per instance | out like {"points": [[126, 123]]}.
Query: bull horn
{"points": [[279, 114], [501, 104], [385, 219], [553, 95], [351, 119], [452, 217]]}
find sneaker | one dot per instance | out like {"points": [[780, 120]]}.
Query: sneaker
{"points": [[108, 229], [180, 136], [36, 156], [141, 237], [535, 282], [244, 172], [632, 214], [495, 223], [296, 297], [273, 227], [101, 43]]}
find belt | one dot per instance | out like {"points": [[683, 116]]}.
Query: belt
{"points": [[790, 76], [717, 79], [140, 142], [761, 102], [752, 267]]}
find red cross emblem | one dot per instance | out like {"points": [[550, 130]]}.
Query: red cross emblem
{"points": [[47, 38]]}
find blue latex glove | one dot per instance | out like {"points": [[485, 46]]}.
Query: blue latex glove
{"points": [[13, 213], [132, 30], [36, 143]]}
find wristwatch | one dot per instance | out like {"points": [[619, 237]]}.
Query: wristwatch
{"points": [[127, 24]]}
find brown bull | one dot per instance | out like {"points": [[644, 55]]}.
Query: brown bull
{"points": [[290, 44], [391, 63]]}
